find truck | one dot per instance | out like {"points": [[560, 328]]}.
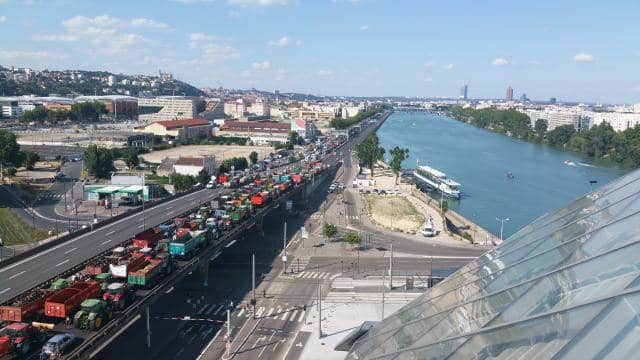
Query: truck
{"points": [[148, 276], [147, 239], [92, 315], [64, 302], [260, 199], [123, 267], [186, 243], [18, 339]]}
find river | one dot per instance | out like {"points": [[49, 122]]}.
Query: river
{"points": [[480, 159]]}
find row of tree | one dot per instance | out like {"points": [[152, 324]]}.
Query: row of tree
{"points": [[369, 152], [84, 111], [238, 163], [185, 182], [600, 141], [343, 123]]}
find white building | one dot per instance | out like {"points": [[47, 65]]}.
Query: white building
{"points": [[556, 117], [618, 121], [111, 80], [193, 165], [258, 108], [234, 109], [167, 108]]}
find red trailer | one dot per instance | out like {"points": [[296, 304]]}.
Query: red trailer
{"points": [[147, 239], [23, 307], [64, 302], [297, 178], [222, 179], [260, 198]]}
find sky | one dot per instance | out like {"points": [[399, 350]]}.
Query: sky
{"points": [[573, 50]]}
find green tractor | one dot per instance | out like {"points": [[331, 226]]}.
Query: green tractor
{"points": [[92, 315]]}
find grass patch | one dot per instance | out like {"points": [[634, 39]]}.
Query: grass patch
{"points": [[14, 230], [394, 212]]}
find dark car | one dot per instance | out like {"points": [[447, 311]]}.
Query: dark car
{"points": [[59, 344]]}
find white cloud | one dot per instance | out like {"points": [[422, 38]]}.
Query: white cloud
{"points": [[449, 67], [257, 2], [193, 1], [583, 58], [261, 66], [98, 21], [325, 73], [281, 74], [283, 41], [428, 79], [429, 63], [26, 54], [148, 23], [534, 62], [201, 37], [213, 53], [3, 19], [500, 62], [62, 38], [364, 28]]}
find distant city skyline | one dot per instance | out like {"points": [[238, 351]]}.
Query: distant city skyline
{"points": [[341, 47]]}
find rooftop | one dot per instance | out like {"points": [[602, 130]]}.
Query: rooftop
{"points": [[180, 123]]}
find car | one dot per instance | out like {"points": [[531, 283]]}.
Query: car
{"points": [[59, 343], [210, 185]]}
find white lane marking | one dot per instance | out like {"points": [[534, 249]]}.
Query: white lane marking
{"points": [[64, 262], [110, 233], [270, 311], [334, 276], [170, 290], [301, 316], [285, 315], [217, 311], [275, 314], [169, 208], [106, 242], [213, 307], [18, 274], [203, 309], [240, 313], [231, 243], [5, 290], [299, 274], [260, 311], [209, 345], [293, 316], [141, 225], [68, 251]]}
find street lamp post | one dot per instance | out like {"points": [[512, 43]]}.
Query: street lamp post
{"points": [[502, 220]]}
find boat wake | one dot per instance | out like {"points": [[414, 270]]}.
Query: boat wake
{"points": [[587, 165]]}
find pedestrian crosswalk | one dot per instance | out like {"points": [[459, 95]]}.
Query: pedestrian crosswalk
{"points": [[350, 217], [211, 312], [317, 275], [49, 195], [298, 264]]}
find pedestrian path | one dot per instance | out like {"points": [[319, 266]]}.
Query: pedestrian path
{"points": [[370, 297], [298, 264]]}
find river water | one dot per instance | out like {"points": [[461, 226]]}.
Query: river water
{"points": [[480, 159]]}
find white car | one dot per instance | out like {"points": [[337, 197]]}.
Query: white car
{"points": [[210, 185]]}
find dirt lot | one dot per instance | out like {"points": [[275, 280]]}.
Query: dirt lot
{"points": [[221, 152], [394, 212]]}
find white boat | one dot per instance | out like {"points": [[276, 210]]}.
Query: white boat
{"points": [[437, 180]]}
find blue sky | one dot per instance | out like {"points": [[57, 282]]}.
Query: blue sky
{"points": [[573, 50]]}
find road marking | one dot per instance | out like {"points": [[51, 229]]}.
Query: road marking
{"points": [[64, 262], [105, 242], [141, 225], [270, 311], [231, 243], [334, 276], [275, 314], [260, 311], [203, 309], [170, 290], [294, 315], [68, 251], [302, 315], [213, 307], [285, 315], [18, 274], [209, 344], [110, 233], [5, 290], [241, 312], [169, 208], [217, 311]]}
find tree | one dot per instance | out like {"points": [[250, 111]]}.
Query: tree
{"points": [[131, 158], [540, 128], [88, 111], [238, 163], [99, 161], [560, 135], [253, 157], [29, 159], [9, 148], [329, 230], [398, 156], [352, 239], [369, 151], [182, 182], [203, 176], [294, 139], [445, 206]]}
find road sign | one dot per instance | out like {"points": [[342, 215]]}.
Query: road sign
{"points": [[289, 204], [284, 258], [304, 233]]}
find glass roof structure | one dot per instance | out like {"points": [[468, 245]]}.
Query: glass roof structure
{"points": [[566, 286]]}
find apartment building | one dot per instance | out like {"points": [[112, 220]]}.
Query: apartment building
{"points": [[168, 107]]}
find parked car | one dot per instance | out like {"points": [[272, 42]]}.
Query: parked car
{"points": [[210, 185], [60, 343]]}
